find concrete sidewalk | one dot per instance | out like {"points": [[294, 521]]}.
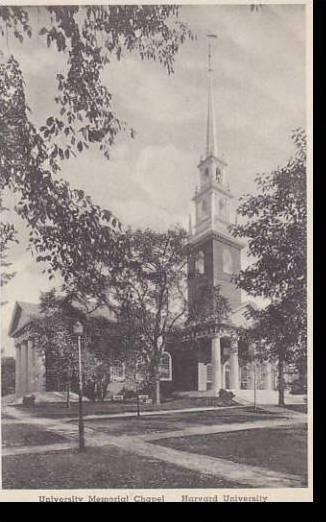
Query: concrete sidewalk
{"points": [[249, 476], [17, 414], [96, 438], [42, 448]]}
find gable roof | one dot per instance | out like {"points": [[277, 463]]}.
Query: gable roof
{"points": [[23, 314]]}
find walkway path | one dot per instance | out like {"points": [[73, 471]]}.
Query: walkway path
{"points": [[126, 414], [251, 476], [222, 428], [43, 448]]}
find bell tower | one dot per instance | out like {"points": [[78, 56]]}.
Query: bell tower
{"points": [[216, 254]]}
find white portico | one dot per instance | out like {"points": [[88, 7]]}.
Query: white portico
{"points": [[30, 367]]}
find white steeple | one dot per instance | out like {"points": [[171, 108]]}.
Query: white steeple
{"points": [[211, 143], [213, 198], [190, 226]]}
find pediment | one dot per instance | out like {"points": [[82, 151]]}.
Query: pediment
{"points": [[23, 314]]}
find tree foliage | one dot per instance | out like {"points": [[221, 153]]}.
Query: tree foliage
{"points": [[91, 37], [7, 375], [276, 232], [7, 236], [148, 292], [57, 344], [67, 230], [208, 306]]}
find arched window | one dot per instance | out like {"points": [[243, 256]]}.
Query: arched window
{"points": [[165, 368], [118, 371], [200, 262], [206, 172], [227, 261]]}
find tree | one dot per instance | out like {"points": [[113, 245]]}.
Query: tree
{"points": [[208, 306], [67, 230], [276, 232], [55, 342], [7, 375], [7, 236], [149, 289], [57, 345]]}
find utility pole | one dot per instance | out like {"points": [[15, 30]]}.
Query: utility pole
{"points": [[252, 351]]}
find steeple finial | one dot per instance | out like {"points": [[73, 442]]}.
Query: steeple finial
{"points": [[211, 144]]}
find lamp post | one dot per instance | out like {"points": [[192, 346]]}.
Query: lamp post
{"points": [[78, 330]]}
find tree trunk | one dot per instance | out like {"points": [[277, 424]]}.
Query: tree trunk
{"points": [[281, 381], [68, 395], [157, 390]]}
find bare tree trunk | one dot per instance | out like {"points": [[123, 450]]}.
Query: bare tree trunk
{"points": [[281, 380]]}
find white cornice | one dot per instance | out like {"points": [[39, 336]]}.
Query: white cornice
{"points": [[219, 235]]}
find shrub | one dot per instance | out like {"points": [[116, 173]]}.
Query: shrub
{"points": [[226, 395], [29, 401], [7, 375]]}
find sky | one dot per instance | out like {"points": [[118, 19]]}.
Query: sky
{"points": [[259, 94]]}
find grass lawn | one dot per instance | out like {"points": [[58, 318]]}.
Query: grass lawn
{"points": [[57, 409], [27, 435], [278, 449], [6, 416], [99, 468], [172, 422], [300, 408]]}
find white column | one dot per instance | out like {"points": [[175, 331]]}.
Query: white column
{"points": [[223, 384], [31, 365], [202, 377], [25, 367], [39, 368], [216, 365], [22, 368], [234, 366], [18, 370]]}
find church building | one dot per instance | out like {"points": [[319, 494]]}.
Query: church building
{"points": [[213, 357]]}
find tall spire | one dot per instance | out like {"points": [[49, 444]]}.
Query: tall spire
{"points": [[190, 226], [211, 143]]}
